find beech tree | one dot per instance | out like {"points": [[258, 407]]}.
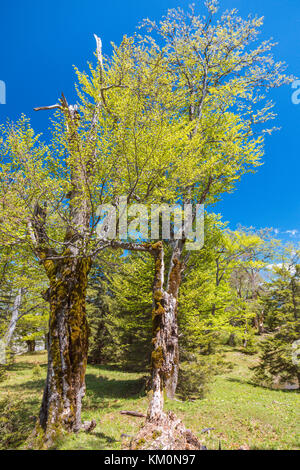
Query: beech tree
{"points": [[220, 76], [117, 143]]}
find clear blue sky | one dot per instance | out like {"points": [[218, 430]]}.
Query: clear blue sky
{"points": [[42, 39]]}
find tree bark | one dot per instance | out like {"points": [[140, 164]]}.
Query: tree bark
{"points": [[165, 354], [171, 306], [67, 347], [68, 275], [155, 411], [259, 323], [14, 316], [231, 340], [30, 345]]}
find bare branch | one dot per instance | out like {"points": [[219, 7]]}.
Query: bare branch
{"points": [[99, 50], [45, 108]]}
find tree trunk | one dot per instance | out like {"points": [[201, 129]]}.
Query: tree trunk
{"points": [[67, 347], [171, 307], [30, 345], [165, 355], [155, 411], [46, 341], [172, 346], [231, 340], [14, 316], [260, 323]]}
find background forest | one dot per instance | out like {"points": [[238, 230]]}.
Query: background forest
{"points": [[116, 329]]}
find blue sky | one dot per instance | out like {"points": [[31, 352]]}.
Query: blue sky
{"points": [[42, 40]]}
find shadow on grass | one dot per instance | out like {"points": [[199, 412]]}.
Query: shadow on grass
{"points": [[103, 387], [22, 366], [99, 386], [35, 385], [264, 387], [16, 367]]}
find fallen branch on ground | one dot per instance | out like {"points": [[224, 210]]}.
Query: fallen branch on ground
{"points": [[133, 413]]}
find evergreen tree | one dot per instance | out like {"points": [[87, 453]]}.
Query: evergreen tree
{"points": [[277, 361]]}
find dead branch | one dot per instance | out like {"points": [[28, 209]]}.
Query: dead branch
{"points": [[133, 413], [45, 108]]}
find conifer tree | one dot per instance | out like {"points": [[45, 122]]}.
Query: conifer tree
{"points": [[278, 360]]}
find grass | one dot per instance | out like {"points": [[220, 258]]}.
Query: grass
{"points": [[241, 412]]}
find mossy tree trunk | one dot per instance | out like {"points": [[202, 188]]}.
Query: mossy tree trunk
{"points": [[68, 275], [67, 347], [165, 356]]}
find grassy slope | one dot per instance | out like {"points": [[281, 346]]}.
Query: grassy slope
{"points": [[240, 412]]}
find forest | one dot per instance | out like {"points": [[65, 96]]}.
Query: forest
{"points": [[141, 339]]}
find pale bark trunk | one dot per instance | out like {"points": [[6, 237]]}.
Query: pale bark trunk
{"points": [[259, 323], [172, 346], [14, 316], [165, 355], [67, 348], [173, 285], [155, 411]]}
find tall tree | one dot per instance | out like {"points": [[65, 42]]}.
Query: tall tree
{"points": [[219, 74], [110, 145]]}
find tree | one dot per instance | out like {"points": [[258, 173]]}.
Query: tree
{"points": [[217, 81], [119, 311], [116, 142], [24, 309], [282, 320]]}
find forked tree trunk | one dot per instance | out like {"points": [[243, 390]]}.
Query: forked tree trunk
{"points": [[67, 348]]}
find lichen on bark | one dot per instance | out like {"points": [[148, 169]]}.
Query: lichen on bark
{"points": [[68, 347]]}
